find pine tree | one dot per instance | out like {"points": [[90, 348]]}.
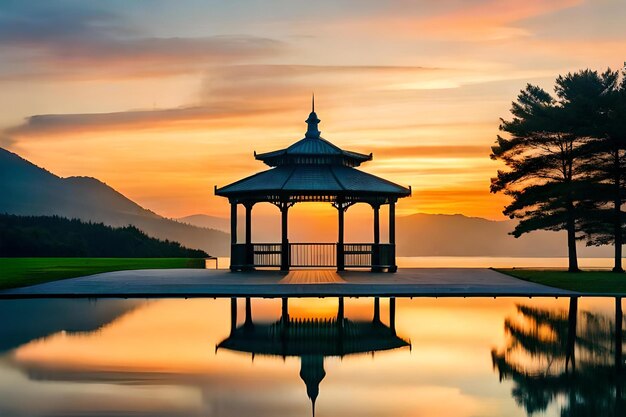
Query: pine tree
{"points": [[605, 161], [543, 167]]}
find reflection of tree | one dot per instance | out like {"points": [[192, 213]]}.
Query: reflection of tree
{"points": [[571, 358]]}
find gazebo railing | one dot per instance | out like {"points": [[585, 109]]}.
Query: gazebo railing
{"points": [[267, 254], [358, 255], [313, 255]]}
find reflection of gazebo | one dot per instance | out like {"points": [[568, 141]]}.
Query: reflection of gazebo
{"points": [[313, 169], [312, 339]]}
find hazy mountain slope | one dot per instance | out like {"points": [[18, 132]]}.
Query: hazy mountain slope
{"points": [[458, 235], [29, 190], [440, 235], [204, 220], [55, 315]]}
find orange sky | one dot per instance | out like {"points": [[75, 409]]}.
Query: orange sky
{"points": [[162, 102]]}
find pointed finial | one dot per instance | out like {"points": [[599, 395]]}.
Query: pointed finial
{"points": [[312, 122]]}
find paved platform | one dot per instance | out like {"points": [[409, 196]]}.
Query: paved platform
{"points": [[409, 282]]}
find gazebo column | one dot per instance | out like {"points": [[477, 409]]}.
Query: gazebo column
{"points": [[376, 318], [284, 250], [376, 245], [233, 236], [341, 262], [248, 323], [392, 236], [340, 310], [284, 315], [392, 314], [233, 314], [249, 247]]}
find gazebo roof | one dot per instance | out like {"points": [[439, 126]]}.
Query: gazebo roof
{"points": [[322, 179], [313, 167], [313, 337], [315, 149]]}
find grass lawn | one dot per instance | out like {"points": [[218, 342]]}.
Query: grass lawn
{"points": [[20, 272], [588, 281]]}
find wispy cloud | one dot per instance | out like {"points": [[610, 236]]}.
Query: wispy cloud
{"points": [[466, 21], [443, 151], [86, 43], [63, 124], [229, 92]]}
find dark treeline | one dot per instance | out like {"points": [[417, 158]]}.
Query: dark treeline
{"points": [[566, 160], [54, 236]]}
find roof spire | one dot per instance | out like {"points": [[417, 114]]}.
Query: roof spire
{"points": [[312, 131]]}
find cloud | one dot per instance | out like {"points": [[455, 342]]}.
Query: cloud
{"points": [[492, 19], [230, 94], [82, 43], [420, 151], [36, 24], [57, 124], [6, 141], [466, 21]]}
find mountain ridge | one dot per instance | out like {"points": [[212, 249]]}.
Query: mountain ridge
{"points": [[28, 189], [452, 235]]}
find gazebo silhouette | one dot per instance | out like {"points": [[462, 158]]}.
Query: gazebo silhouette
{"points": [[312, 339], [313, 170]]}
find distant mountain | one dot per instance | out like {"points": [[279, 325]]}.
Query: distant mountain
{"points": [[204, 220], [433, 235], [458, 235], [26, 189], [56, 315]]}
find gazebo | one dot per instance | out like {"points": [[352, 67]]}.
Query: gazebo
{"points": [[313, 170], [311, 339]]}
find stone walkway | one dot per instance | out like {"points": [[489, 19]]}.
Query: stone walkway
{"points": [[414, 282]]}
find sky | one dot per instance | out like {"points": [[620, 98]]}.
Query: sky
{"points": [[162, 100]]}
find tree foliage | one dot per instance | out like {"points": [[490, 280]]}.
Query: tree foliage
{"points": [[543, 167], [54, 236], [566, 160]]}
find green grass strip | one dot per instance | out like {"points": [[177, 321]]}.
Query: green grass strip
{"points": [[21, 272], [599, 282]]}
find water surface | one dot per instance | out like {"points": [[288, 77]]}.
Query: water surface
{"points": [[411, 357], [476, 262]]}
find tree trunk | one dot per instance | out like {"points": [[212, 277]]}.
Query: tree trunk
{"points": [[572, 320], [571, 238], [617, 217]]}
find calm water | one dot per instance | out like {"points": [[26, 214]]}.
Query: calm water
{"points": [[476, 262], [430, 357]]}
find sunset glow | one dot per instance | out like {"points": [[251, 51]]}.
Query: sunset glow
{"points": [[162, 103], [167, 347]]}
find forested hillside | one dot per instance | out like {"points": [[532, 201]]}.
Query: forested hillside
{"points": [[54, 236]]}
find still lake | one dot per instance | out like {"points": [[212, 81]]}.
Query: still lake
{"points": [[475, 262], [216, 357]]}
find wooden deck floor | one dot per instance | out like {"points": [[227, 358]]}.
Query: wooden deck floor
{"points": [[312, 277]]}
